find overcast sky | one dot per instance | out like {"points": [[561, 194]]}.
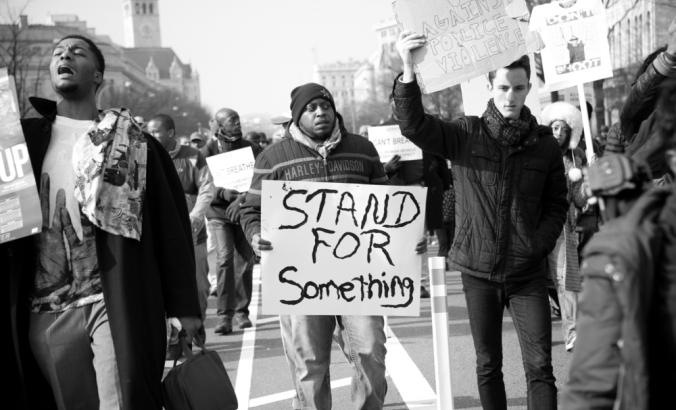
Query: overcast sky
{"points": [[249, 53]]}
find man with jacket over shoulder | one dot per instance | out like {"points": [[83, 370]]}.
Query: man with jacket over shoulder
{"points": [[510, 209], [89, 294]]}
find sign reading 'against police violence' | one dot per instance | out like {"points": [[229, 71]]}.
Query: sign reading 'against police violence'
{"points": [[341, 249], [465, 38]]}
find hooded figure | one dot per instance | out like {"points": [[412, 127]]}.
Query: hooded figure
{"points": [[566, 123]]}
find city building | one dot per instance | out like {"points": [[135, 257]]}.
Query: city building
{"points": [[143, 46], [145, 68], [636, 29]]}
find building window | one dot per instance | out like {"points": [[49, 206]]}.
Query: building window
{"points": [[649, 33], [627, 42], [144, 8], [138, 8], [639, 34], [150, 8]]}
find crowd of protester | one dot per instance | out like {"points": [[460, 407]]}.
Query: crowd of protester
{"points": [[512, 201]]}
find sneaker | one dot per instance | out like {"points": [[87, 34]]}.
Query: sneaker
{"points": [[242, 320], [424, 294], [225, 327]]}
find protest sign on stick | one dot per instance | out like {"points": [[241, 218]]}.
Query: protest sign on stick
{"points": [[576, 42], [389, 142], [575, 34], [464, 39], [20, 213], [341, 249], [233, 169]]}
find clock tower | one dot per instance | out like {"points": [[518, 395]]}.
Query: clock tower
{"points": [[141, 23]]}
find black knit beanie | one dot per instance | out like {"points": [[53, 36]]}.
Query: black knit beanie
{"points": [[303, 94]]}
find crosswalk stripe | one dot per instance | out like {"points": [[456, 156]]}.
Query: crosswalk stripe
{"points": [[245, 366], [289, 394], [414, 389]]}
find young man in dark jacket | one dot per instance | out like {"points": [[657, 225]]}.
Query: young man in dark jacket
{"points": [[90, 293], [234, 257], [510, 209]]}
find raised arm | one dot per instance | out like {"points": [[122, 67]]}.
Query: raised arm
{"points": [[429, 133]]}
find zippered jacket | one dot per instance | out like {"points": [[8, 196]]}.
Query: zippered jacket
{"points": [[625, 353], [353, 160], [510, 200]]}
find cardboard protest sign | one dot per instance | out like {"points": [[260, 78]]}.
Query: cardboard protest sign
{"points": [[233, 169], [341, 249], [576, 43], [389, 142], [20, 213], [475, 94], [464, 39]]}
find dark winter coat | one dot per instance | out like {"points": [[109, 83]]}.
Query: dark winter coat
{"points": [[353, 161], [625, 353], [142, 281], [510, 201]]}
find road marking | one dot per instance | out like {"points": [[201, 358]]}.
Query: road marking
{"points": [[245, 366], [414, 389], [289, 394]]}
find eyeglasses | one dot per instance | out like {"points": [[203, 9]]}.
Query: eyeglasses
{"points": [[312, 107]]}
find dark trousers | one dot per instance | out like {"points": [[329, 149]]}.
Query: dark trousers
{"points": [[529, 306], [234, 268]]}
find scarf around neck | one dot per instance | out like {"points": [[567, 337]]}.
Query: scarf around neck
{"points": [[110, 163], [508, 132], [324, 147]]}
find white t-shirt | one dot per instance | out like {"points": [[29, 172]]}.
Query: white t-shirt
{"points": [[67, 273]]}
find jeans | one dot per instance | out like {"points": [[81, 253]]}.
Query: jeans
{"points": [[307, 344], [529, 306], [202, 272], [234, 268], [74, 350]]}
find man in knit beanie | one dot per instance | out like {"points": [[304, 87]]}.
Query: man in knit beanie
{"points": [[317, 147]]}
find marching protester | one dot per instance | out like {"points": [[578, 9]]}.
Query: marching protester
{"points": [[89, 294], [510, 209], [317, 137], [566, 123], [625, 353], [198, 187], [234, 256]]}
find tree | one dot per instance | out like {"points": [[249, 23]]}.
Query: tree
{"points": [[28, 64], [187, 115]]}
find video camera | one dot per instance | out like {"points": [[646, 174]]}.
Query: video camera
{"points": [[615, 180]]}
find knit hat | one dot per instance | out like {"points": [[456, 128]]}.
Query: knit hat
{"points": [[567, 113], [303, 94]]}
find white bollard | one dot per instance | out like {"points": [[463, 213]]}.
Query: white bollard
{"points": [[442, 357]]}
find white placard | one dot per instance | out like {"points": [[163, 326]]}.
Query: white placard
{"points": [[464, 39], [576, 43], [389, 142], [341, 249], [233, 169]]}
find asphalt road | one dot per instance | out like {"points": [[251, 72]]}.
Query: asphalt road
{"points": [[257, 366]]}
